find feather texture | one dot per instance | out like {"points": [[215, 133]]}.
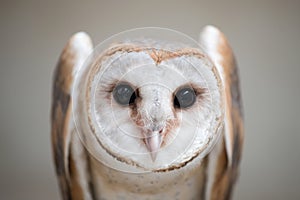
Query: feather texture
{"points": [[69, 155], [104, 163], [226, 157]]}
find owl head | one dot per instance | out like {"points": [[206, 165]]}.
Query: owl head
{"points": [[148, 100]]}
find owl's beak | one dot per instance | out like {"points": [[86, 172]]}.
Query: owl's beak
{"points": [[153, 144]]}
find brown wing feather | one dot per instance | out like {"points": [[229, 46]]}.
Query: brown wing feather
{"points": [[63, 137], [228, 158]]}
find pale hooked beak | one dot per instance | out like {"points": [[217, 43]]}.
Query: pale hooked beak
{"points": [[153, 144]]}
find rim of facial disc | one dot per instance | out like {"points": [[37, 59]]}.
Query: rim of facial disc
{"points": [[92, 142]]}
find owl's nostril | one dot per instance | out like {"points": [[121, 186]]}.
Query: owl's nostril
{"points": [[160, 131], [156, 128]]}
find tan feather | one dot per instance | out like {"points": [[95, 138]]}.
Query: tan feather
{"points": [[66, 148], [228, 157]]}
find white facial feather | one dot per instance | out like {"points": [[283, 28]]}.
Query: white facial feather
{"points": [[188, 132]]}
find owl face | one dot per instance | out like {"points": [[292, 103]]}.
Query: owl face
{"points": [[147, 108]]}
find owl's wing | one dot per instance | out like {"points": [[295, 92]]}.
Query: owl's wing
{"points": [[224, 162], [70, 156]]}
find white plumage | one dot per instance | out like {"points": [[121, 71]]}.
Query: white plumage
{"points": [[148, 112]]}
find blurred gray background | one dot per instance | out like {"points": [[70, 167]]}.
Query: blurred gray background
{"points": [[265, 36]]}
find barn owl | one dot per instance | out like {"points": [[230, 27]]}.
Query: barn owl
{"points": [[147, 114]]}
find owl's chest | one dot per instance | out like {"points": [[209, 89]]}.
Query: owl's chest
{"points": [[184, 184]]}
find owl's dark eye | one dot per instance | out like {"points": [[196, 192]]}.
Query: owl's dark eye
{"points": [[124, 94], [184, 98]]}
